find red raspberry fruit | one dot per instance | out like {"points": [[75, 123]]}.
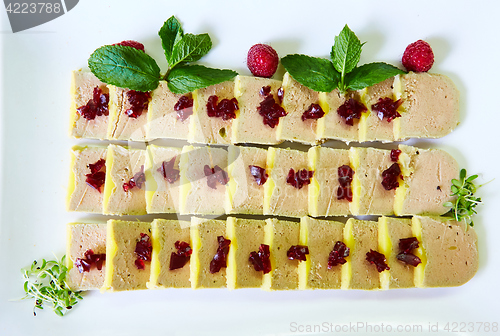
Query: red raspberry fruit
{"points": [[418, 57], [262, 60], [133, 44]]}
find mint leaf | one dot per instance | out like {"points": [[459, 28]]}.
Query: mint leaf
{"points": [[187, 78], [317, 74], [346, 51], [125, 67], [170, 33], [370, 74], [190, 49]]}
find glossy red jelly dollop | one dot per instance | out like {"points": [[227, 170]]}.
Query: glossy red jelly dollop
{"points": [[395, 155], [261, 259], [387, 108], [344, 191], [280, 94], [132, 43], [168, 171], [390, 177], [259, 174], [351, 110], [297, 252], [97, 175], [225, 109], [180, 258], [300, 178], [95, 107], [136, 181], [184, 107], [314, 112], [214, 175], [90, 259], [220, 259], [138, 103], [378, 259], [269, 109], [143, 250], [406, 246], [337, 256]]}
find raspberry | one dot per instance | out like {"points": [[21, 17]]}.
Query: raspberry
{"points": [[131, 43], [418, 57], [262, 60]]}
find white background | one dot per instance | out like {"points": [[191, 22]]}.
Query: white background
{"points": [[34, 153]]}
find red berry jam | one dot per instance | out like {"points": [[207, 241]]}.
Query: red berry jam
{"points": [[90, 258], [390, 177], [220, 258], [214, 175], [299, 179], [184, 107], [97, 175], [395, 155], [409, 258], [259, 174], [280, 94], [132, 43], [261, 260], [168, 171], [136, 181], [337, 256], [378, 259], [95, 107], [351, 110], [313, 112], [387, 108], [344, 191], [225, 109], [143, 250], [269, 109], [297, 252], [181, 257], [406, 245], [138, 103]]}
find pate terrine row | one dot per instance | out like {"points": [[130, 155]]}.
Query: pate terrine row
{"points": [[266, 111], [115, 180], [271, 254]]}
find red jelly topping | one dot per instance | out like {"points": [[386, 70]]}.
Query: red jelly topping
{"points": [[378, 259], [90, 258], [260, 260], [390, 177], [269, 109], [138, 103], [259, 174], [351, 110], [96, 177], [344, 190], [406, 245], [265, 90], [297, 252], [181, 257], [184, 108], [409, 258], [313, 112], [337, 256], [225, 109], [143, 250], [280, 94], [214, 175], [168, 171], [395, 155], [220, 258], [136, 181], [133, 44], [299, 179], [387, 108], [97, 106]]}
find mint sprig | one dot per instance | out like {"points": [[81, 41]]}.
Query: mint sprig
{"points": [[133, 69], [341, 71]]}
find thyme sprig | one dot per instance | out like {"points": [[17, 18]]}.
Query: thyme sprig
{"points": [[45, 282], [464, 206]]}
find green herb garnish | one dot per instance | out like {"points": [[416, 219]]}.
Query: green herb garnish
{"points": [[46, 283], [130, 68], [341, 71], [464, 206]]}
